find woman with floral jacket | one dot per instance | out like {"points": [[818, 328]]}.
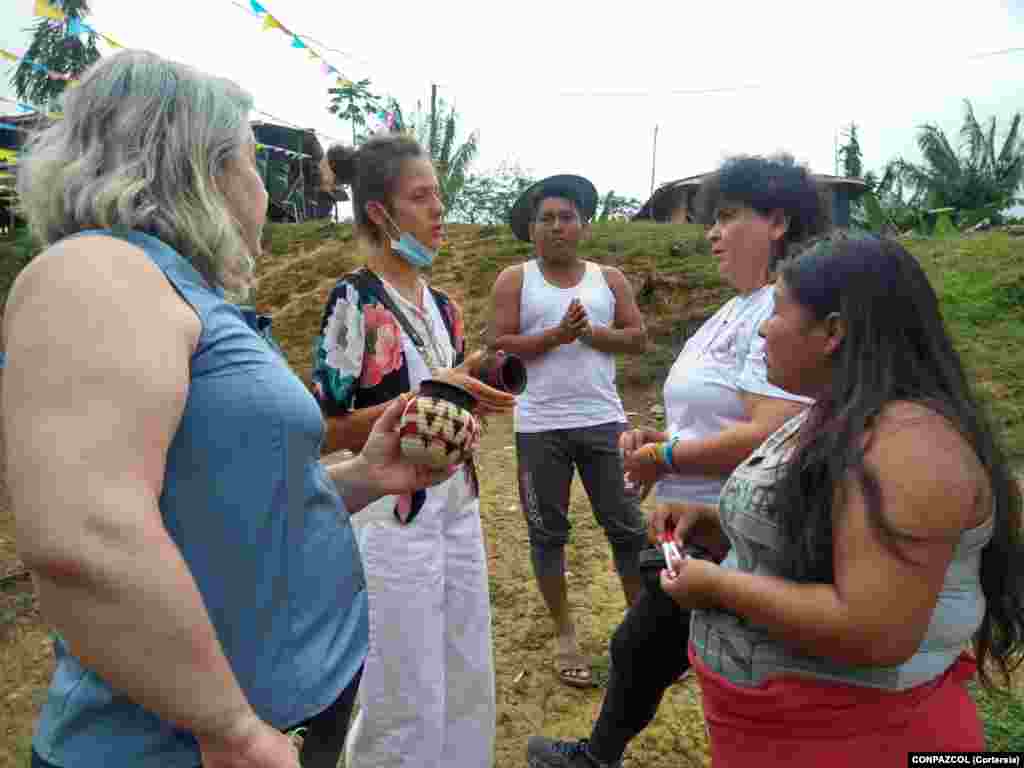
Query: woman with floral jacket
{"points": [[427, 691]]}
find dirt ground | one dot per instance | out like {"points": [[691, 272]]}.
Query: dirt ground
{"points": [[530, 699]]}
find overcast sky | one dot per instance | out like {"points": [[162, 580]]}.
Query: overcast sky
{"points": [[566, 87]]}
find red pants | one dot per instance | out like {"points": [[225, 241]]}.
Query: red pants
{"points": [[796, 722]]}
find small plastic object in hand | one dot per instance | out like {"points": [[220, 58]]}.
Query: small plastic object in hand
{"points": [[673, 557]]}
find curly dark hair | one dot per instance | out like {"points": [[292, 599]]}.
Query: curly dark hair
{"points": [[767, 184]]}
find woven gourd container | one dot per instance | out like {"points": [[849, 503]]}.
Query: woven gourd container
{"points": [[437, 427]]}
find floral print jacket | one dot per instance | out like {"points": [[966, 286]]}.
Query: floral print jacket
{"points": [[358, 360]]}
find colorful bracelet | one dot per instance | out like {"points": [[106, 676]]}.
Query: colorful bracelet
{"points": [[668, 448]]}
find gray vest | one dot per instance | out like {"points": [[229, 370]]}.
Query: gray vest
{"points": [[746, 654]]}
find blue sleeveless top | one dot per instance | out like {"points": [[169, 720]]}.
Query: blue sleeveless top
{"points": [[263, 531]]}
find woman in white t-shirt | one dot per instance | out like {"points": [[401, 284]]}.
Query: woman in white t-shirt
{"points": [[719, 407]]}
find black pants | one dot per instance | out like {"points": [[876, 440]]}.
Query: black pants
{"points": [[648, 654], [324, 740]]}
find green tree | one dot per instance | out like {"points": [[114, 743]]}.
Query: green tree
{"points": [[438, 132], [980, 178], [65, 47], [617, 208], [354, 102], [488, 197], [850, 154]]}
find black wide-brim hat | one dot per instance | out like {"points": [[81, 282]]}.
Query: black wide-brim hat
{"points": [[575, 188]]}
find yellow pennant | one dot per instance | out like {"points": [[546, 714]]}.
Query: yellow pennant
{"points": [[8, 156], [344, 82], [111, 41], [43, 8], [8, 55], [271, 23], [313, 54]]}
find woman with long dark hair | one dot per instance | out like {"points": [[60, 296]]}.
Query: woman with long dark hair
{"points": [[870, 539]]}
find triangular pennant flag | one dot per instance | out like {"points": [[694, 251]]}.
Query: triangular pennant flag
{"points": [[75, 27], [8, 55], [256, 7], [344, 82], [25, 108], [45, 9], [271, 23], [297, 43], [325, 68], [111, 41], [313, 54], [8, 127]]}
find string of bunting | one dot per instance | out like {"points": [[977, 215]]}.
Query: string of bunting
{"points": [[289, 152], [25, 109], [10, 155], [387, 118], [76, 27]]}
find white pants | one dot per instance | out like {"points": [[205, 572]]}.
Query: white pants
{"points": [[427, 693]]}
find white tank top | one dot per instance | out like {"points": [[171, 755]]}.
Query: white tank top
{"points": [[572, 385]]}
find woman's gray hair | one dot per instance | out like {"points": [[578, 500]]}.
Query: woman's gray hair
{"points": [[140, 146]]}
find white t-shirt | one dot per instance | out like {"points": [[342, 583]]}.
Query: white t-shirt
{"points": [[702, 391]]}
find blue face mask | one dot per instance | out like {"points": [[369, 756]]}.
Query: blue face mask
{"points": [[411, 249]]}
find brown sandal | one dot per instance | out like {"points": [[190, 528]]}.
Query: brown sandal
{"points": [[574, 669]]}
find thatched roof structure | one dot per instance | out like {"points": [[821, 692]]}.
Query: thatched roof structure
{"points": [[674, 201]]}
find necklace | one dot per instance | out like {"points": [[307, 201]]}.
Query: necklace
{"points": [[433, 356]]}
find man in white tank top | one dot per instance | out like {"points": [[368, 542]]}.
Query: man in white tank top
{"points": [[567, 319]]}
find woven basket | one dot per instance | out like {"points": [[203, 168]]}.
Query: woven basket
{"points": [[437, 428]]}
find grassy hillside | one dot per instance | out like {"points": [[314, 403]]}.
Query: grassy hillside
{"points": [[980, 281], [979, 278]]}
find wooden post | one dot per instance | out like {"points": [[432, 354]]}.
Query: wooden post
{"points": [[654, 156]]}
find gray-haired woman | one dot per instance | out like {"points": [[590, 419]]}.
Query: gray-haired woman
{"points": [[164, 465]]}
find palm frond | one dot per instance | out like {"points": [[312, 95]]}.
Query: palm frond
{"points": [[458, 168], [445, 152], [1013, 148], [938, 153], [973, 135]]}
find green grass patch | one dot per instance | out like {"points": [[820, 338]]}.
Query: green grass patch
{"points": [[279, 239], [15, 253], [1002, 714]]}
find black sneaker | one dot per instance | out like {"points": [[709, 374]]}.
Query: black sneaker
{"points": [[549, 753]]}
